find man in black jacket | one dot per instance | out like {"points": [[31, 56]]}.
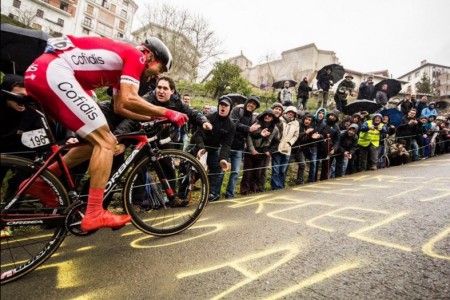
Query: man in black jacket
{"points": [[217, 143], [303, 94], [329, 132], [324, 83], [244, 119], [348, 143], [366, 89]]}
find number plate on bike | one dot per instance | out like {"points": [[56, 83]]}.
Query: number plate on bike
{"points": [[35, 138]]}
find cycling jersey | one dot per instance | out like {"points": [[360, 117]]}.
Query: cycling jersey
{"points": [[70, 66]]}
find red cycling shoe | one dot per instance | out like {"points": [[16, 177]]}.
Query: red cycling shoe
{"points": [[41, 190], [103, 219]]}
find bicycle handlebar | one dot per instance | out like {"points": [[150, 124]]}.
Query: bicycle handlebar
{"points": [[152, 127]]}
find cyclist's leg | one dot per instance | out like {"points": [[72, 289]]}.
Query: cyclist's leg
{"points": [[51, 81], [103, 142]]}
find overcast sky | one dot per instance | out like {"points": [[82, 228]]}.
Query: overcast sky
{"points": [[366, 35]]}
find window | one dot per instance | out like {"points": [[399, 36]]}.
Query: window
{"points": [[40, 13], [125, 2], [87, 22], [417, 74], [60, 22], [17, 3], [123, 14], [85, 31], [64, 6], [120, 35], [105, 4], [122, 25], [409, 78], [90, 9], [113, 8]]}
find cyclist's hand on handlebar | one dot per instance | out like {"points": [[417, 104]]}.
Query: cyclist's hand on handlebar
{"points": [[176, 117]]}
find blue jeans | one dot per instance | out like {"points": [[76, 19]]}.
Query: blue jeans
{"points": [[235, 160], [280, 163], [312, 164], [214, 172]]}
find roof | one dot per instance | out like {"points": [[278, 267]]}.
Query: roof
{"points": [[423, 66]]}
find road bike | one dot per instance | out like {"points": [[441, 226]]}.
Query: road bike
{"points": [[164, 192]]}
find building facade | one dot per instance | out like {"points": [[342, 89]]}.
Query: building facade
{"points": [[433, 72], [106, 18], [294, 64]]}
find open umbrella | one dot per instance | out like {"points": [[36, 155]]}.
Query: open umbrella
{"points": [[442, 104], [19, 47], [361, 105], [394, 87], [280, 83], [336, 70], [237, 98], [395, 116]]}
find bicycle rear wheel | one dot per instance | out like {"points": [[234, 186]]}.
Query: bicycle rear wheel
{"points": [[146, 201], [31, 233]]}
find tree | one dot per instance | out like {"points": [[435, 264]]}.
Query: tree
{"points": [[227, 79], [189, 37], [26, 16], [424, 85]]}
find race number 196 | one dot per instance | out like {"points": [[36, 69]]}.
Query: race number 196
{"points": [[35, 138]]}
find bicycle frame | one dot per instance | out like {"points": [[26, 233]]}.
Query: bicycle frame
{"points": [[144, 143]]}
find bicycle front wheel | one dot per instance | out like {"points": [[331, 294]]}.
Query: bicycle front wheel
{"points": [[147, 203], [31, 233]]}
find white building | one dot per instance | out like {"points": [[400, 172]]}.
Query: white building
{"points": [[107, 18], [433, 71]]}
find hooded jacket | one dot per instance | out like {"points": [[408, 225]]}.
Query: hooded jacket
{"points": [[221, 136], [243, 119], [288, 131], [348, 143], [258, 142], [369, 136], [330, 129]]}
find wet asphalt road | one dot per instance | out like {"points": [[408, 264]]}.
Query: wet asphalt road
{"points": [[375, 235]]}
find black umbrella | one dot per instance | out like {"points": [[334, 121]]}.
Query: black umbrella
{"points": [[394, 87], [237, 98], [19, 47], [442, 104], [336, 70], [361, 105], [280, 83]]}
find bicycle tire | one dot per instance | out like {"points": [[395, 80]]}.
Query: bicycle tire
{"points": [[173, 218], [29, 245]]}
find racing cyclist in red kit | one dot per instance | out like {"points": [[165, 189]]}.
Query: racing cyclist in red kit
{"points": [[59, 79]]}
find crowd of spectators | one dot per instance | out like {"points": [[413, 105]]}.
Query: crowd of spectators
{"points": [[315, 145]]}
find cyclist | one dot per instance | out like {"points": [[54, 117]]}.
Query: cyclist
{"points": [[59, 79]]}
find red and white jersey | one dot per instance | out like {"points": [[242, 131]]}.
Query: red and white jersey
{"points": [[99, 62]]}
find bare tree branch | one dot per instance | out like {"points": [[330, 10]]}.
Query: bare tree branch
{"points": [[194, 45]]}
